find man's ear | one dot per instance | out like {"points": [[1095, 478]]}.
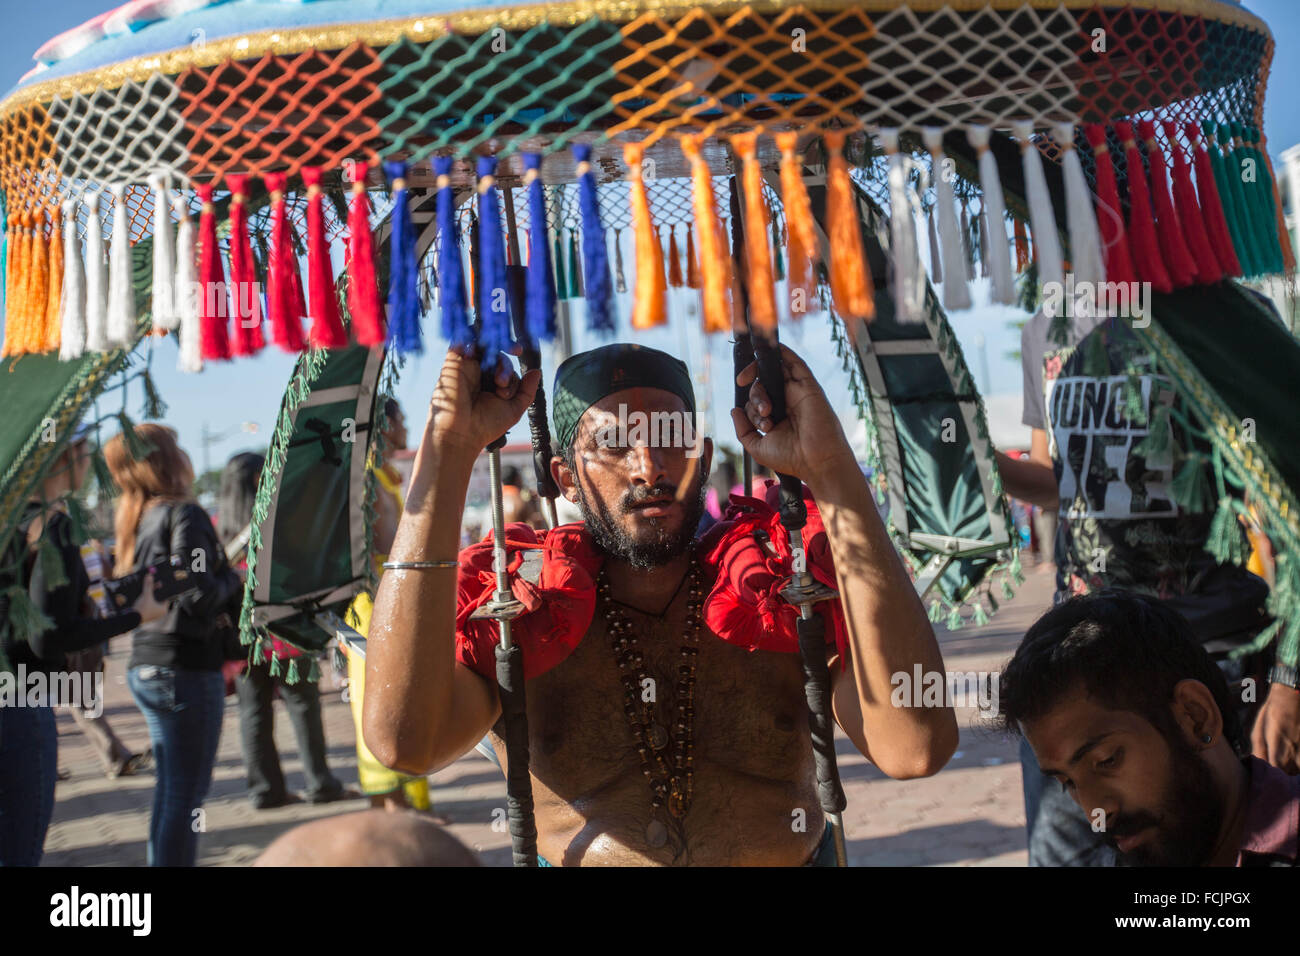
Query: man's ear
{"points": [[564, 479], [1196, 713]]}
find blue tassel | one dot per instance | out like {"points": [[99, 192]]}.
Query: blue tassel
{"points": [[539, 304], [595, 257], [451, 274], [403, 271], [494, 335]]}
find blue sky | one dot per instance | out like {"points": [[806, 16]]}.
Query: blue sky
{"points": [[248, 390]]}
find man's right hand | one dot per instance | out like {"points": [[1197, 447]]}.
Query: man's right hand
{"points": [[463, 416]]}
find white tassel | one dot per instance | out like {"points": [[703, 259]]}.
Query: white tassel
{"points": [[909, 277], [956, 293], [186, 289], [1085, 240], [72, 304], [936, 259], [998, 249], [1047, 242], [96, 279], [121, 287], [164, 267]]}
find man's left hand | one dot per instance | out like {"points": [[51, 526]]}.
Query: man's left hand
{"points": [[1276, 734], [810, 438]]}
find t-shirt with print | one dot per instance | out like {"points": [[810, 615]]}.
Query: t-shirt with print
{"points": [[1118, 526]]}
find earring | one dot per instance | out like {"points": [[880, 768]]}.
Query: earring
{"points": [[1206, 738]]}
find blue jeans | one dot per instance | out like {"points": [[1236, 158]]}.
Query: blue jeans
{"points": [[183, 709], [29, 765]]}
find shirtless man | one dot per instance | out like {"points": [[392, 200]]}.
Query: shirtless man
{"points": [[752, 755]]}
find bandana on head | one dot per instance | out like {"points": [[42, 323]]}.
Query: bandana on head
{"points": [[584, 379]]}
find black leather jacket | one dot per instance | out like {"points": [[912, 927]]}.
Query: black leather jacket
{"points": [[186, 636]]}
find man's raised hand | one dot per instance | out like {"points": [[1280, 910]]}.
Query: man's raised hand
{"points": [[808, 440], [464, 416]]}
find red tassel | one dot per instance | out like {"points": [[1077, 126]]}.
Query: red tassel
{"points": [[1190, 215], [1141, 225], [282, 306], [1216, 222], [364, 304], [214, 337], [245, 300], [1022, 244], [1178, 259], [327, 330], [1110, 214]]}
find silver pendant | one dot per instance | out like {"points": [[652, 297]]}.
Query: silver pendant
{"points": [[656, 834]]}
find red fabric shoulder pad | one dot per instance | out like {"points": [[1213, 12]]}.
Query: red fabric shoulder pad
{"points": [[558, 594], [750, 552]]}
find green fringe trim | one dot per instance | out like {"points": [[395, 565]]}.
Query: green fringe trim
{"points": [[936, 612], [26, 620], [955, 621], [1190, 488], [56, 576], [980, 617], [1226, 540]]}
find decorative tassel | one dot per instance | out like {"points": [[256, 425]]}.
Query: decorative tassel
{"points": [[327, 330], [20, 274], [674, 261], [188, 307], [1251, 231], [851, 287], [403, 270], [575, 266], [648, 307], [982, 225], [365, 308], [802, 252], [1178, 260], [758, 257], [778, 265], [1279, 233], [1229, 200], [163, 304], [909, 279], [956, 293], [1189, 213], [245, 302], [998, 252], [494, 336], [39, 289], [11, 302], [451, 272], [715, 279], [96, 279], [968, 253], [692, 267], [539, 302], [1262, 188], [1085, 242], [1047, 243], [561, 281], [1141, 227], [1211, 204], [72, 304], [283, 296], [53, 306], [1021, 238], [1110, 216], [215, 336], [619, 278], [595, 255], [936, 258]]}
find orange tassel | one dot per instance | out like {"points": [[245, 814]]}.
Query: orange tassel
{"points": [[648, 309], [1022, 245], [801, 238], [674, 260], [38, 291], [22, 285], [758, 256], [851, 287], [53, 326], [692, 267], [715, 277]]}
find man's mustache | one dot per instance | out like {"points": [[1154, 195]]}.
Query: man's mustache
{"points": [[1131, 823], [646, 493]]}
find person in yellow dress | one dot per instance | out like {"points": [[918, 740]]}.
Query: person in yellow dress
{"points": [[385, 788]]}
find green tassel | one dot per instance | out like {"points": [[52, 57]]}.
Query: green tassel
{"points": [[1008, 592], [561, 282], [292, 677], [154, 406], [26, 620], [1017, 573], [136, 447], [56, 576], [1159, 440], [313, 672], [954, 622], [778, 263], [936, 612], [1226, 537], [276, 667], [77, 520], [980, 617], [103, 477], [575, 266], [1190, 488]]}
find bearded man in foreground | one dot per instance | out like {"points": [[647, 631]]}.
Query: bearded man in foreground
{"points": [[666, 708]]}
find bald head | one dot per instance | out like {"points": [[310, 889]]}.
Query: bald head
{"points": [[368, 838]]}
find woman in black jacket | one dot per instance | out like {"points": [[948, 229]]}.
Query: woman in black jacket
{"points": [[175, 668], [57, 589]]}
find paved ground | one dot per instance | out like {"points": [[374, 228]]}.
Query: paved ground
{"points": [[970, 814]]}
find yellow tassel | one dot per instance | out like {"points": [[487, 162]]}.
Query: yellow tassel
{"points": [[801, 237], [758, 256], [648, 307], [715, 277], [53, 327], [851, 286], [674, 261], [692, 267]]}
